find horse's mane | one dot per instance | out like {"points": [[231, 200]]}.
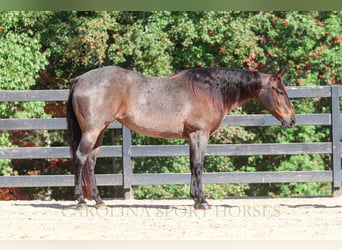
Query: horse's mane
{"points": [[221, 86]]}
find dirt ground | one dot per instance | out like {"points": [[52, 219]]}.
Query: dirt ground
{"points": [[237, 219]]}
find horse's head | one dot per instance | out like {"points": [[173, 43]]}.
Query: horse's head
{"points": [[273, 96]]}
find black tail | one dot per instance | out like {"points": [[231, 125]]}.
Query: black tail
{"points": [[73, 131]]}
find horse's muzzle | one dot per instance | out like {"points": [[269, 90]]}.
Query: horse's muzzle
{"points": [[288, 122]]}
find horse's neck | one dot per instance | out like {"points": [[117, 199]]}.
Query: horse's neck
{"points": [[243, 95]]}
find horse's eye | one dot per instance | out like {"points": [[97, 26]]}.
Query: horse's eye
{"points": [[279, 92]]}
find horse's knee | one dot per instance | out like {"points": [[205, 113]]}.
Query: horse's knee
{"points": [[197, 172]]}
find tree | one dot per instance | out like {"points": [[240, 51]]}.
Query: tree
{"points": [[21, 59]]}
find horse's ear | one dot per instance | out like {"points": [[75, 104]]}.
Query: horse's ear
{"points": [[280, 73]]}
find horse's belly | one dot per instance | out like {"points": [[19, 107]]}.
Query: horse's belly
{"points": [[163, 121], [154, 128]]}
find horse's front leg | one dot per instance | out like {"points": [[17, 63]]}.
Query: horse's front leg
{"points": [[198, 144]]}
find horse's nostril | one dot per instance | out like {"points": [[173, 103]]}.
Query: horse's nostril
{"points": [[293, 121]]}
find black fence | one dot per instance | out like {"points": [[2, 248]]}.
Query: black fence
{"points": [[127, 151]]}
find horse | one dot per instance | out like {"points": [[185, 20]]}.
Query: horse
{"points": [[190, 104]]}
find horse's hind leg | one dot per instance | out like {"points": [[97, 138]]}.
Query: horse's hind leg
{"points": [[83, 152], [91, 163]]}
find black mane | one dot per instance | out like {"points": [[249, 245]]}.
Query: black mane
{"points": [[223, 86]]}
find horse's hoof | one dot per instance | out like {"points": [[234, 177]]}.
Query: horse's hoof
{"points": [[100, 205], [82, 206], [202, 206]]}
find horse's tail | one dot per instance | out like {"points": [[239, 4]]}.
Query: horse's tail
{"points": [[73, 128]]}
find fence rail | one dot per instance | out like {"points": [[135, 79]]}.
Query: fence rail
{"points": [[127, 151]]}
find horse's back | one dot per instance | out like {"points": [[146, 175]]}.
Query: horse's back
{"points": [[107, 74]]}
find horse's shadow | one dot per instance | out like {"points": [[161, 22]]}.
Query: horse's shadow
{"points": [[310, 206], [44, 205], [120, 206]]}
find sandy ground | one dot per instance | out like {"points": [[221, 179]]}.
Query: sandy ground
{"points": [[237, 219]]}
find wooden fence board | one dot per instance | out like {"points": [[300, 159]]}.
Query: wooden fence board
{"points": [[235, 149], [41, 124], [51, 152], [33, 95], [56, 180], [305, 92], [33, 124], [235, 177], [269, 120], [270, 149], [171, 178], [268, 177]]}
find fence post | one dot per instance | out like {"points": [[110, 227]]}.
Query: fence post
{"points": [[335, 134], [127, 163]]}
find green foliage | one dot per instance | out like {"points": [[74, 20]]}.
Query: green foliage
{"points": [[5, 168], [44, 50], [303, 163], [21, 59]]}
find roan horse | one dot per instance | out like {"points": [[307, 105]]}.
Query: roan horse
{"points": [[188, 105]]}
